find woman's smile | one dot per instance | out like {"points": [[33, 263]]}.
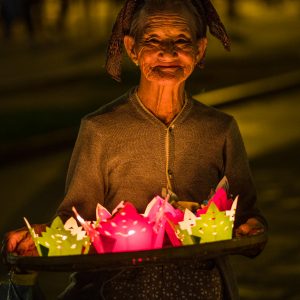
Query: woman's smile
{"points": [[167, 68]]}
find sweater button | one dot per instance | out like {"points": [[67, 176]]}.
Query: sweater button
{"points": [[170, 172]]}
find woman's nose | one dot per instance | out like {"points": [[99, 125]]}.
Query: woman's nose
{"points": [[168, 49]]}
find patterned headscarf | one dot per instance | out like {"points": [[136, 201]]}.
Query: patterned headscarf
{"points": [[123, 23]]}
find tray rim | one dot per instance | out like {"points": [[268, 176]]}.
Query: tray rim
{"points": [[119, 260]]}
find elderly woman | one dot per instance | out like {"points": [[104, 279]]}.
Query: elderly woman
{"points": [[156, 139]]}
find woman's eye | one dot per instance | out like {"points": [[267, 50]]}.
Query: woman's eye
{"points": [[153, 41], [182, 41]]}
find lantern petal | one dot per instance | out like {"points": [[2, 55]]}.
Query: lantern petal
{"points": [[102, 213], [231, 212]]}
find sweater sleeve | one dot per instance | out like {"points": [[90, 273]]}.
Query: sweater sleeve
{"points": [[236, 169], [85, 185]]}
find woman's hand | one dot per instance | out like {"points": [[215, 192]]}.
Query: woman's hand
{"points": [[20, 242], [251, 227]]}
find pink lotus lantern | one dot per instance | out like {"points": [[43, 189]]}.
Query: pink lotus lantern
{"points": [[165, 216], [130, 230], [126, 229], [173, 218]]}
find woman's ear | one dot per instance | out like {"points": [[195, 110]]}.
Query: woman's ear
{"points": [[129, 44], [201, 45]]}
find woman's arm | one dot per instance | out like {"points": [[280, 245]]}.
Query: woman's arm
{"points": [[249, 219], [85, 184]]}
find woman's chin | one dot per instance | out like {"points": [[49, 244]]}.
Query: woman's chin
{"points": [[166, 79]]}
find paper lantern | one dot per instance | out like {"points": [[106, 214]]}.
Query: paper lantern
{"points": [[213, 225], [61, 239], [165, 216], [126, 229]]}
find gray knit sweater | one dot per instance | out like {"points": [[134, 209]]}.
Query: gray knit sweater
{"points": [[123, 152]]}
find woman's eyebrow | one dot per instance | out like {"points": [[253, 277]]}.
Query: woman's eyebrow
{"points": [[154, 35], [151, 35], [183, 35]]}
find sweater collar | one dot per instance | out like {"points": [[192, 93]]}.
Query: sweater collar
{"points": [[142, 109]]}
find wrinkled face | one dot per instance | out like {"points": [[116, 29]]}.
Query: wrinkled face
{"points": [[168, 51]]}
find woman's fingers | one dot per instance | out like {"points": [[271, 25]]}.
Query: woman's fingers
{"points": [[243, 229], [251, 227], [25, 246], [39, 228], [20, 241], [13, 238]]}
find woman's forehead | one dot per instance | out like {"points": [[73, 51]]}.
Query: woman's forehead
{"points": [[168, 22]]}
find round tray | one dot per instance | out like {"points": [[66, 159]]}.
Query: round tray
{"points": [[248, 246]]}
